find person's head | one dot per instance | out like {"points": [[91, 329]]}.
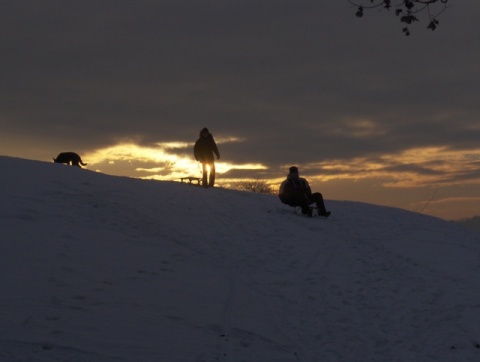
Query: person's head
{"points": [[293, 170], [204, 132]]}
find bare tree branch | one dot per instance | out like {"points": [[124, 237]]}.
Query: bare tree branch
{"points": [[406, 10]]}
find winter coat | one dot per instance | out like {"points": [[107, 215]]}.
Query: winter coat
{"points": [[294, 188], [205, 148]]}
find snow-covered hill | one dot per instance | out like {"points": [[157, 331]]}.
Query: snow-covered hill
{"points": [[471, 223], [102, 268]]}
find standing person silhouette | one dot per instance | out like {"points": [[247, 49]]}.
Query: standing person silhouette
{"points": [[204, 150]]}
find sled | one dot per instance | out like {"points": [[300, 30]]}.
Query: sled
{"points": [[191, 179], [298, 210]]}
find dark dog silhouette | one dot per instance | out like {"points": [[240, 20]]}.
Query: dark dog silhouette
{"points": [[70, 158]]}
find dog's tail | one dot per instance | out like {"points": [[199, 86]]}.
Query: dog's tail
{"points": [[54, 159], [81, 163]]}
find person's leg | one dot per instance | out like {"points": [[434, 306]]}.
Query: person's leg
{"points": [[211, 180], [317, 197], [204, 175], [303, 202]]}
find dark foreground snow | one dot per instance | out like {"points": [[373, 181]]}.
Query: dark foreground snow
{"points": [[102, 268]]}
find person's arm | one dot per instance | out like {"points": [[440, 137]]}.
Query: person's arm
{"points": [[196, 151], [307, 189], [215, 149]]}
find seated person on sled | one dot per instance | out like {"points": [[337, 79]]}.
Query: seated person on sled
{"points": [[295, 191]]}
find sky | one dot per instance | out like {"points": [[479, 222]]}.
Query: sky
{"points": [[99, 268], [366, 113]]}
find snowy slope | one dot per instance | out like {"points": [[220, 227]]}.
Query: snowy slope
{"points": [[102, 268], [471, 223]]}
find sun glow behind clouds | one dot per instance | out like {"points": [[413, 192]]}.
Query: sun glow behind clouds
{"points": [[167, 161]]}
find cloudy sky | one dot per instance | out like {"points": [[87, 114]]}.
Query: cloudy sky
{"points": [[367, 113]]}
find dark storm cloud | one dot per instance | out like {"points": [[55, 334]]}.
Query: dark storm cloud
{"points": [[290, 78]]}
